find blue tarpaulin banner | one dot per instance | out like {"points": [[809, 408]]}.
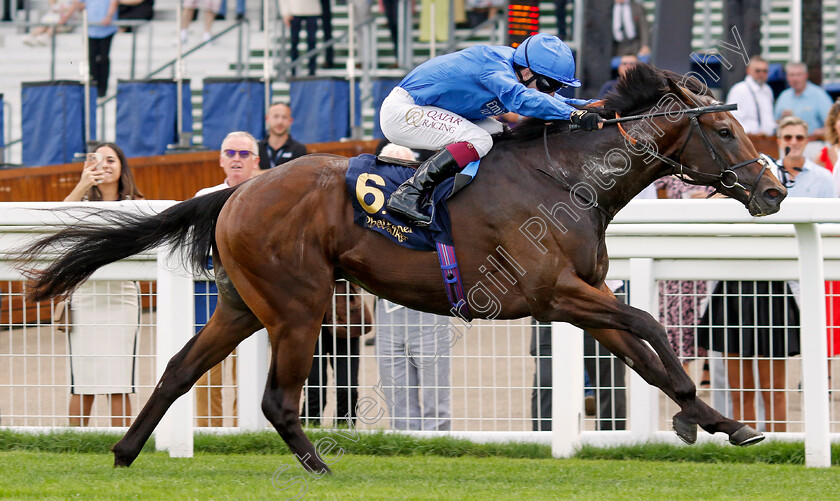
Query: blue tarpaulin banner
{"points": [[380, 89], [53, 124], [321, 109], [147, 120], [230, 104]]}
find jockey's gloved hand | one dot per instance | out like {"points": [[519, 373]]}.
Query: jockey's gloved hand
{"points": [[586, 120]]}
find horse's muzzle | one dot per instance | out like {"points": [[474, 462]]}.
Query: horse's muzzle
{"points": [[767, 201]]}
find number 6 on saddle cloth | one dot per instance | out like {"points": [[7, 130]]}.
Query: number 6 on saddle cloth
{"points": [[370, 181]]}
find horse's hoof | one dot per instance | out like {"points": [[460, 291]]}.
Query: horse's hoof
{"points": [[122, 460], [746, 436], [686, 430]]}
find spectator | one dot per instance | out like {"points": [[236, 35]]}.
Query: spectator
{"points": [[136, 9], [802, 176], [803, 99], [831, 152], [828, 159], [240, 10], [815, 185], [101, 15], [627, 61], [679, 300], [560, 15], [40, 35], [630, 28], [279, 147], [326, 28], [412, 350], [391, 10], [754, 99], [240, 162], [761, 319], [364, 32], [296, 13], [105, 315], [209, 9], [479, 11]]}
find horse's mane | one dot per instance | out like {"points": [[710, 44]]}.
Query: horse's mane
{"points": [[638, 90]]}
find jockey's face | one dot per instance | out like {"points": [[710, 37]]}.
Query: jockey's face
{"points": [[526, 74]]}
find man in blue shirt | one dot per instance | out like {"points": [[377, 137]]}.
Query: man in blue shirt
{"points": [[803, 99], [801, 176], [447, 102]]}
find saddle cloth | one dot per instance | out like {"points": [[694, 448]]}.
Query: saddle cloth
{"points": [[370, 181]]}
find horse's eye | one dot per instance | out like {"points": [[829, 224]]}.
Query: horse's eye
{"points": [[725, 133]]}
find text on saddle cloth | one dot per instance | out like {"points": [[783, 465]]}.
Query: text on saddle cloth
{"points": [[370, 181]]}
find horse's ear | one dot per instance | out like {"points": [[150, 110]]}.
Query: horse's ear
{"points": [[674, 88], [682, 93]]}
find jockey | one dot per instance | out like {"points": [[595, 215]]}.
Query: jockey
{"points": [[447, 102]]}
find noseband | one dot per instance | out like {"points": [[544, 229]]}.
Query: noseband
{"points": [[727, 178]]}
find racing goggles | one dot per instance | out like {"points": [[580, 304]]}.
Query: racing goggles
{"points": [[544, 83]]}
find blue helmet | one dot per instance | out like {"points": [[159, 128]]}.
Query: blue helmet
{"points": [[549, 56]]}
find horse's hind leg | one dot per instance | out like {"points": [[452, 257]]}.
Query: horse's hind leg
{"points": [[291, 361], [644, 361], [226, 328]]}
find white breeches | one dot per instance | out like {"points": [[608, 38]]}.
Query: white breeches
{"points": [[431, 128]]}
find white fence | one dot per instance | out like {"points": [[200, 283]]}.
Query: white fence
{"points": [[491, 369]]}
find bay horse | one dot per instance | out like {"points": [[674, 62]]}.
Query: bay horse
{"points": [[544, 198]]}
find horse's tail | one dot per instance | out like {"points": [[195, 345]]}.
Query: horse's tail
{"points": [[85, 247]]}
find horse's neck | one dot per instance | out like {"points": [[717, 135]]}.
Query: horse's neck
{"points": [[607, 167]]}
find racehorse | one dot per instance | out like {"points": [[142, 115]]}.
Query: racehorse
{"points": [[542, 202]]}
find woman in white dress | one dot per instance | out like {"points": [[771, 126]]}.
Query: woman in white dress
{"points": [[105, 315]]}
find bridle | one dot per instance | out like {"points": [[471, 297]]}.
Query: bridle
{"points": [[728, 176]]}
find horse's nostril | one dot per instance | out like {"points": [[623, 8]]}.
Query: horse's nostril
{"points": [[771, 195]]}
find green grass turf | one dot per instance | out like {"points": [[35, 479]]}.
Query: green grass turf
{"points": [[45, 475], [392, 444]]}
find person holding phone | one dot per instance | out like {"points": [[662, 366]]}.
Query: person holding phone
{"points": [[105, 314]]}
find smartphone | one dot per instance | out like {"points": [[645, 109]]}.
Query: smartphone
{"points": [[96, 159]]}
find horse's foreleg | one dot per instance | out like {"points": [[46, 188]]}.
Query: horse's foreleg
{"points": [[593, 309], [626, 346], [225, 329]]}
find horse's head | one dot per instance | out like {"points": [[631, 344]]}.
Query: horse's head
{"points": [[702, 142]]}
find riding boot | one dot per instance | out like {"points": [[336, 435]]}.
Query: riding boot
{"points": [[405, 201]]}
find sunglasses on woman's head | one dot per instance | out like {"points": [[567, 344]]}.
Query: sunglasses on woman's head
{"points": [[243, 154]]}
